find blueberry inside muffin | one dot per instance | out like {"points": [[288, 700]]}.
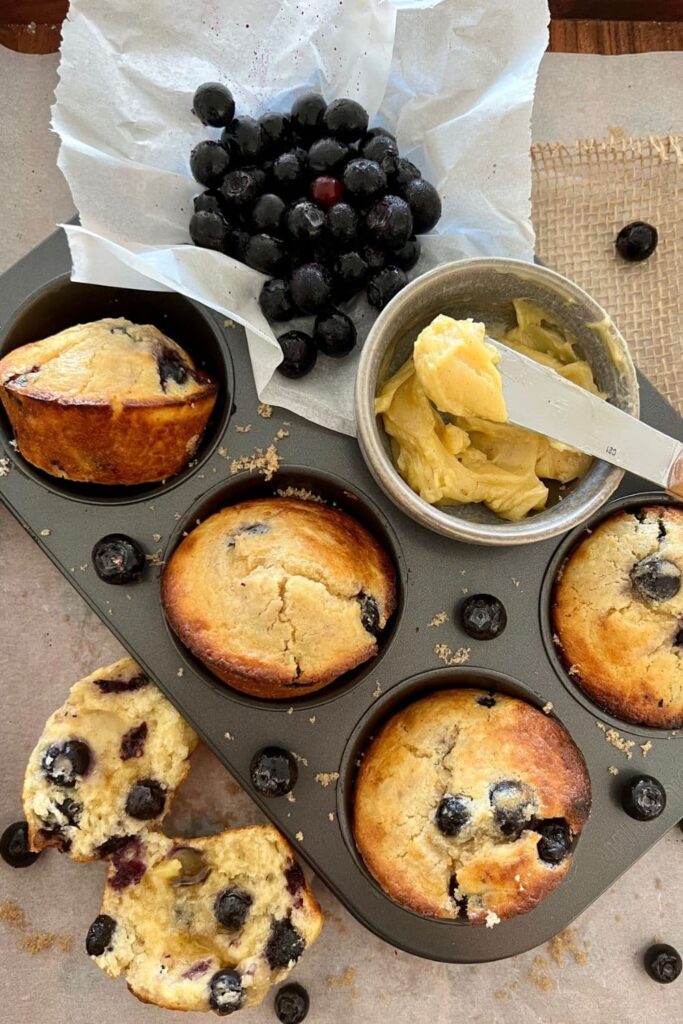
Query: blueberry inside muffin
{"points": [[618, 615], [468, 806]]}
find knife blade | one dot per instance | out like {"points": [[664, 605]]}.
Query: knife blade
{"points": [[541, 400]]}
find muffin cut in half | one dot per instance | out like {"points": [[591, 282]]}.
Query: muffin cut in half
{"points": [[108, 402], [468, 805], [618, 615], [279, 597]]}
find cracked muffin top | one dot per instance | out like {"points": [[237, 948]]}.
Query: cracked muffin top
{"points": [[107, 764], [279, 597], [209, 923], [618, 616], [468, 805], [107, 361]]}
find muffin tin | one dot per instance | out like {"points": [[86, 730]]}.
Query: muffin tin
{"points": [[329, 730]]}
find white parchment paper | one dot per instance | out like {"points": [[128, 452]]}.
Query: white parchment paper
{"points": [[453, 78]]}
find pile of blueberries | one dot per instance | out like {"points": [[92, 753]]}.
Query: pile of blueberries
{"points": [[317, 200]]}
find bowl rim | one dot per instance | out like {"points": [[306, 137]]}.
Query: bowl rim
{"points": [[382, 468]]}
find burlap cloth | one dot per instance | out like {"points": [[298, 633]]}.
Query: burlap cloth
{"points": [[581, 196]]}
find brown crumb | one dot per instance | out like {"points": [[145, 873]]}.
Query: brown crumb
{"points": [[538, 974], [223, 452], [243, 428], [567, 943], [659, 884], [229, 323], [267, 462], [438, 619], [617, 740], [347, 977], [449, 657], [156, 537], [65, 943], [40, 942], [265, 410], [299, 492], [502, 993], [12, 914], [326, 778]]}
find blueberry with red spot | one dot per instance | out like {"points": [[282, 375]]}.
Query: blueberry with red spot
{"points": [[326, 190], [14, 847]]}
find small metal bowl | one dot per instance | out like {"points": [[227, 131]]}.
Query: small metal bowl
{"points": [[484, 289]]}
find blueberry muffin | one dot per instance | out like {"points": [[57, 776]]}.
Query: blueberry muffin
{"points": [[279, 597], [205, 923], [468, 805], [618, 616], [109, 402], [107, 764]]}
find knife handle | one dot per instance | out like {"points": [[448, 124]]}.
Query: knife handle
{"points": [[675, 482]]}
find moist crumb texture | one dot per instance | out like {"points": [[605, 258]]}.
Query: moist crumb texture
{"points": [[212, 923], [468, 805], [107, 402], [279, 596], [618, 613], [106, 766]]}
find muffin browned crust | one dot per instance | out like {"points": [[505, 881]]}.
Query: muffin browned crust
{"points": [[109, 402], [279, 597], [618, 616], [468, 804]]}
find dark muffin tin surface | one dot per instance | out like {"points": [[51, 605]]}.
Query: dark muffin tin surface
{"points": [[328, 731]]}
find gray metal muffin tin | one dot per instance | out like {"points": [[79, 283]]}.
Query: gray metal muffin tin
{"points": [[328, 731]]}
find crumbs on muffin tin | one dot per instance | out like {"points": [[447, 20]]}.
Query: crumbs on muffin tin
{"points": [[438, 619], [547, 707], [300, 492], [326, 778], [265, 410], [450, 657], [267, 462], [617, 740], [5, 466]]}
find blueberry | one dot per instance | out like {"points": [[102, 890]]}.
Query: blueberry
{"points": [[384, 285], [213, 104], [284, 945], [267, 213], [307, 115], [273, 772], [374, 257], [341, 221], [513, 803], [403, 172], [266, 253], [636, 241], [291, 1004], [556, 839], [305, 221], [295, 879], [459, 898], [327, 155], [207, 202], [655, 578], [113, 845], [334, 334], [372, 133], [239, 240], [246, 135], [350, 274], [364, 179], [275, 300], [289, 171], [66, 763], [118, 559], [225, 992], [210, 230], [369, 614], [135, 682], [424, 203], [209, 162], [407, 256], [452, 814], [240, 188], [128, 865], [311, 287], [346, 119], [300, 354], [643, 797], [133, 742], [377, 147], [14, 848], [146, 800], [663, 963], [232, 907], [277, 131], [389, 222], [488, 701], [100, 934], [482, 616], [172, 367]]}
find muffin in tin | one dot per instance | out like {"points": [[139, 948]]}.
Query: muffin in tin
{"points": [[617, 615], [468, 805], [279, 597], [210, 924], [106, 766], [107, 402]]}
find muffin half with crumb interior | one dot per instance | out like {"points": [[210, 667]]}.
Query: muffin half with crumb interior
{"points": [[618, 615], [108, 402], [278, 597], [468, 805]]}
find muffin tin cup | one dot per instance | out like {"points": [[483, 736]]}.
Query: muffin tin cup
{"points": [[326, 730]]}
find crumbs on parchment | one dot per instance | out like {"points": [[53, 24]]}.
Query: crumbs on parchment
{"points": [[347, 977], [449, 657], [12, 914], [567, 944], [265, 410], [539, 974], [41, 942], [438, 619], [326, 778]]}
